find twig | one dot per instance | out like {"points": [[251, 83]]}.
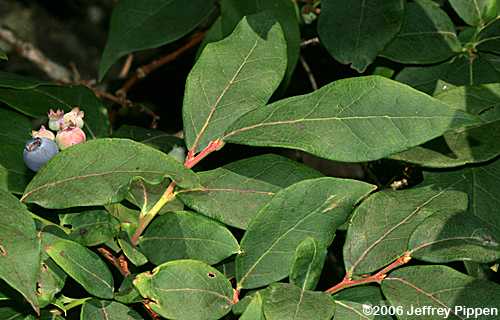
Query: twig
{"points": [[143, 71], [307, 42], [33, 54], [310, 75], [347, 282], [120, 263], [126, 66]]}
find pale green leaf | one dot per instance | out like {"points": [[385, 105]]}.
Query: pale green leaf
{"points": [[186, 289], [434, 287], [254, 309], [475, 12], [381, 226], [346, 27], [312, 208], [307, 264], [84, 266], [187, 235], [98, 172], [232, 77], [352, 120]]}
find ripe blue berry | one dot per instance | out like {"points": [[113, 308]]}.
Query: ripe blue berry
{"points": [[38, 151]]}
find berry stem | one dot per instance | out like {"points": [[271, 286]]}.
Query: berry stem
{"points": [[348, 282]]}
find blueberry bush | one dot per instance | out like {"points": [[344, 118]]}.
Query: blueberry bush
{"points": [[221, 208]]}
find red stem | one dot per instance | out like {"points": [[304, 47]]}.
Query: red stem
{"points": [[348, 282], [192, 160]]}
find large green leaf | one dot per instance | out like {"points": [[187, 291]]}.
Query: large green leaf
{"points": [[50, 282], [98, 172], [19, 248], [462, 70], [481, 183], [382, 225], [84, 266], [444, 237], [471, 145], [90, 227], [232, 11], [138, 25], [339, 121], [154, 138], [425, 26], [232, 77], [229, 197], [346, 27], [475, 12], [434, 287], [186, 289], [14, 132], [187, 235], [14, 81], [37, 101], [307, 264], [107, 310], [312, 208], [286, 301]]}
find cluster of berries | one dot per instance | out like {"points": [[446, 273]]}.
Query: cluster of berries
{"points": [[44, 144]]}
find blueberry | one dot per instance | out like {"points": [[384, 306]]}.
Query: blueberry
{"points": [[38, 151]]}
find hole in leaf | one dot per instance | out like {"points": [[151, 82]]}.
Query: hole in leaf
{"points": [[211, 275], [3, 252]]}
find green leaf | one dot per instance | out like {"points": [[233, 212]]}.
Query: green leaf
{"points": [[460, 71], [352, 303], [139, 25], [132, 253], [286, 301], [50, 282], [444, 237], [232, 77], [3, 55], [19, 248], [232, 11], [91, 227], [440, 287], [84, 266], [381, 226], [98, 172], [129, 218], [187, 235], [307, 264], [312, 208], [346, 27], [338, 121], [37, 101], [229, 197], [107, 310], [481, 183], [470, 145], [274, 169], [12, 80], [186, 289], [234, 193], [489, 37], [127, 293], [425, 26], [145, 195], [254, 309], [14, 132], [154, 138], [475, 12]]}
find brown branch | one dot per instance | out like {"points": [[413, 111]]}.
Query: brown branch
{"points": [[145, 70], [120, 263], [348, 282], [126, 66], [37, 57], [309, 73]]}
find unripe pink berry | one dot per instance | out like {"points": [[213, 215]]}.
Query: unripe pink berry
{"points": [[43, 133], [74, 118], [70, 136]]}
